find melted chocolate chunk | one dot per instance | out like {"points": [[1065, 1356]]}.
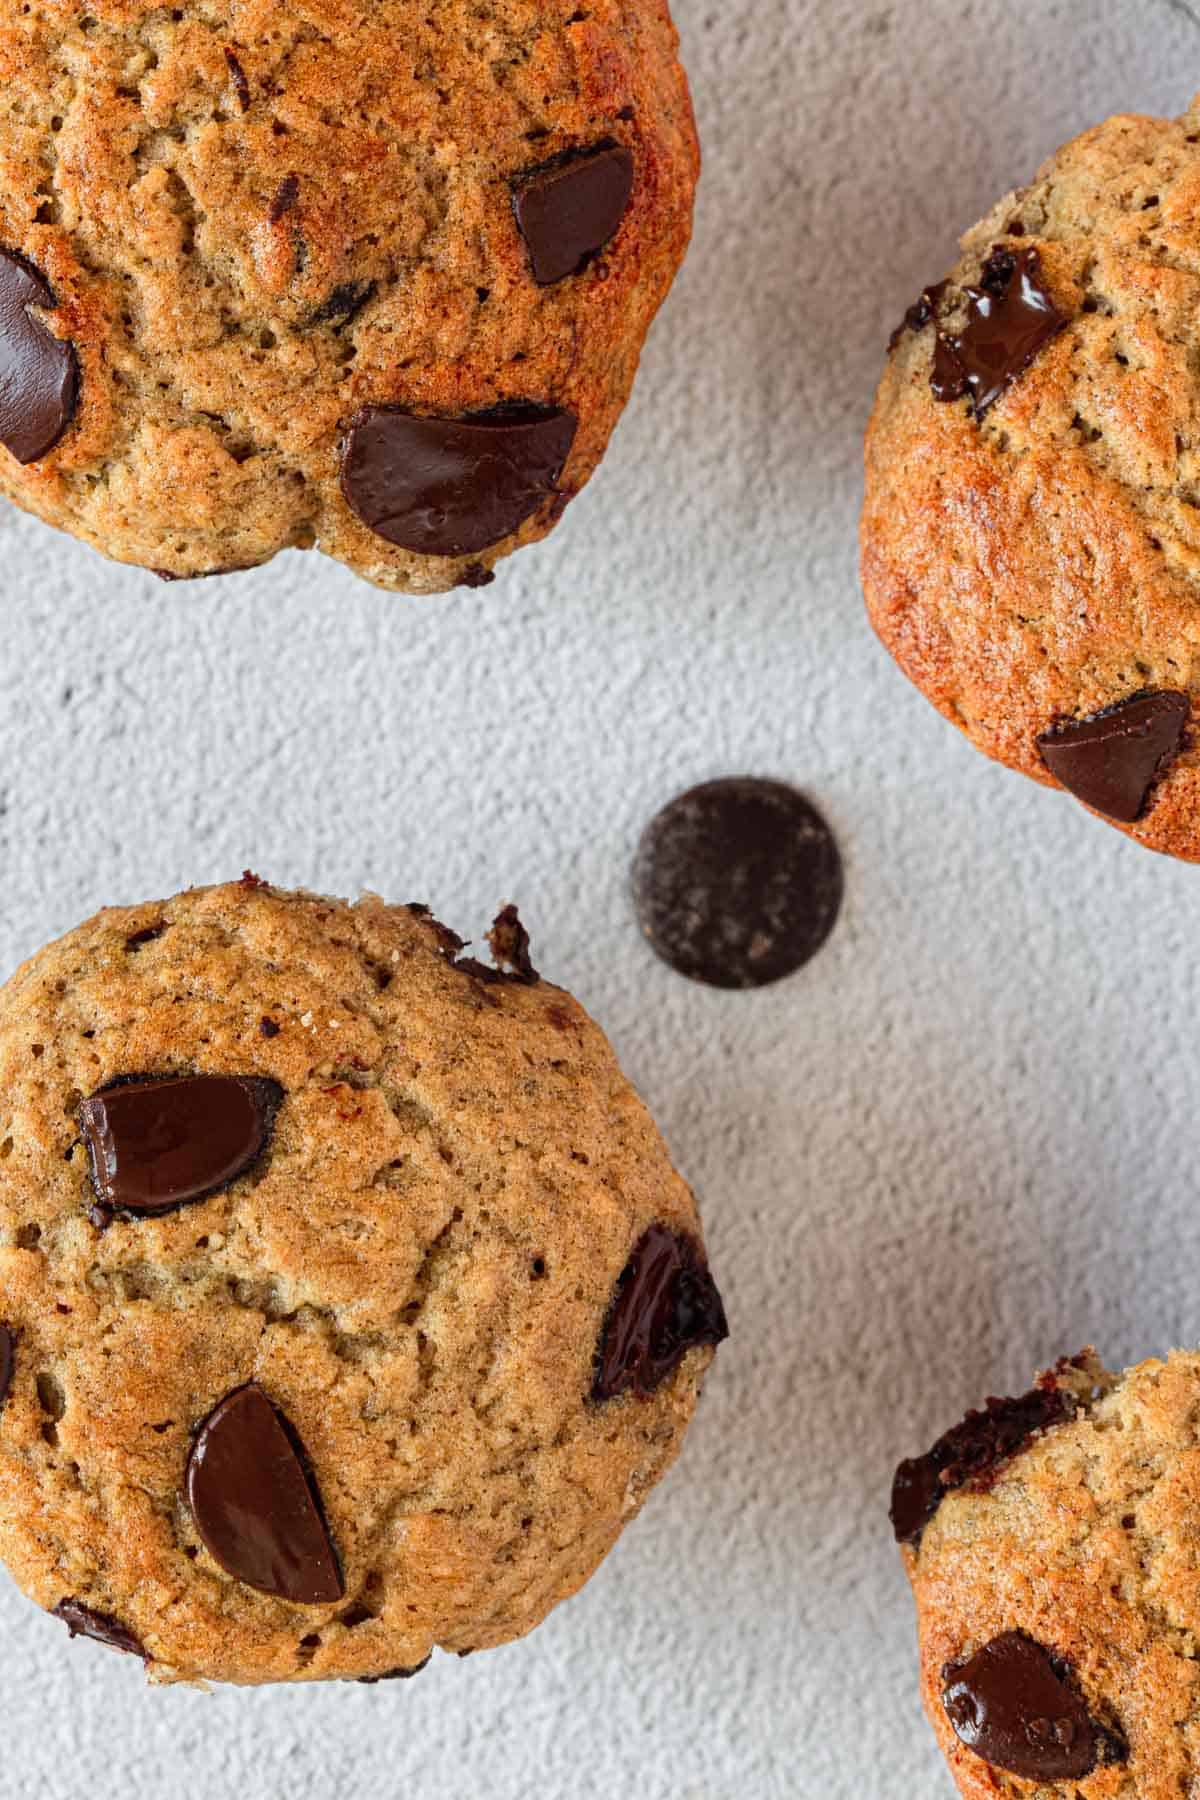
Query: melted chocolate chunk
{"points": [[971, 1455], [476, 576], [1010, 319], [155, 1143], [567, 210], [453, 487], [666, 1304], [39, 373], [737, 883], [1013, 1704], [919, 313], [1112, 760], [83, 1621], [255, 1504], [394, 1674], [8, 1359]]}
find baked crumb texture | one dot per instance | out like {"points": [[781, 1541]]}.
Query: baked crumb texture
{"points": [[1031, 548], [417, 1272], [256, 224]]}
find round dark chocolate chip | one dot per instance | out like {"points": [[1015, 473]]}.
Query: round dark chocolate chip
{"points": [[84, 1621], [157, 1143], [256, 1506], [1113, 759], [972, 1455], [1014, 1706], [738, 882], [569, 209], [39, 373], [453, 487], [666, 1303]]}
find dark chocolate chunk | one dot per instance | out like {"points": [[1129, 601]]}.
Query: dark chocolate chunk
{"points": [[449, 942], [256, 1505], [567, 210], [948, 378], [284, 198], [343, 305], [206, 574], [39, 373], [241, 86], [476, 576], [480, 971], [453, 487], [84, 1621], [268, 1027], [666, 1303], [155, 1143], [8, 1359], [919, 313], [1014, 1705], [394, 1674], [1010, 318], [146, 935], [738, 882], [972, 1455], [1113, 759], [509, 943]]}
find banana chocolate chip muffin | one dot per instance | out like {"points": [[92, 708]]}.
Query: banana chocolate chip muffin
{"points": [[1031, 535], [1051, 1542], [349, 1303], [372, 278]]}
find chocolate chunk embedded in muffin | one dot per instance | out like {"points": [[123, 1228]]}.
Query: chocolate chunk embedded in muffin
{"points": [[1030, 542], [266, 283], [303, 1326], [1056, 1592]]}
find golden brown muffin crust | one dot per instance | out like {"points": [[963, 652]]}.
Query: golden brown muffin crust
{"points": [[418, 1273], [258, 219], [1043, 564]]}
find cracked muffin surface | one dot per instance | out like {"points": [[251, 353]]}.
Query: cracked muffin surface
{"points": [[1058, 1594], [262, 229], [413, 1265], [1031, 543]]}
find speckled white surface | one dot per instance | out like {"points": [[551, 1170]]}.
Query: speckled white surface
{"points": [[961, 1142]]}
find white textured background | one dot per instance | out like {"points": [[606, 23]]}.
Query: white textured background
{"points": [[962, 1141]]}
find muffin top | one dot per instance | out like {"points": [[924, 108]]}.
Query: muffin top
{"points": [[1052, 1546], [368, 277], [350, 1302], [1031, 534]]}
